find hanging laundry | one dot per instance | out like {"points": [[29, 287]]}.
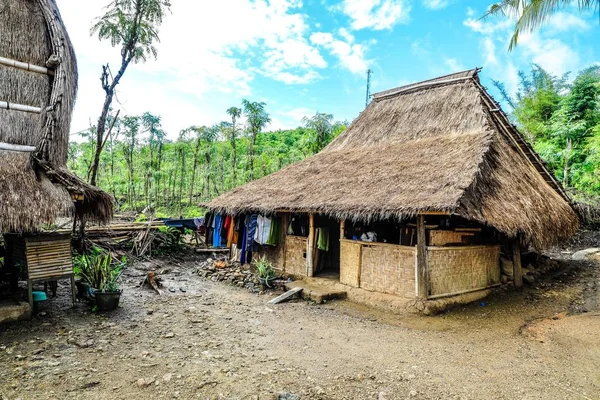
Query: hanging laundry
{"points": [[275, 232], [217, 231], [243, 246], [265, 230], [323, 239], [230, 233], [259, 226]]}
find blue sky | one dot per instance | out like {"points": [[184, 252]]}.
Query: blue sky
{"points": [[303, 56]]}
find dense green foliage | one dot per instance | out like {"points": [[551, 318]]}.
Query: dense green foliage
{"points": [[141, 168], [561, 119]]}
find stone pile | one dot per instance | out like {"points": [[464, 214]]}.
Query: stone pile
{"points": [[222, 270]]}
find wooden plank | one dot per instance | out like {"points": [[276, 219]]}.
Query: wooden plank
{"points": [[212, 250], [310, 244], [422, 279], [287, 295], [517, 267]]}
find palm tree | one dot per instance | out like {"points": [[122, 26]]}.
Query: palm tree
{"points": [[257, 118], [531, 14], [235, 113]]}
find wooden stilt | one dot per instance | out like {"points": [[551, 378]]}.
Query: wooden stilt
{"points": [[422, 275], [517, 267], [310, 245]]}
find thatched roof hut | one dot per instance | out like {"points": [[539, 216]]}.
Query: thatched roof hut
{"points": [[441, 145], [38, 84]]}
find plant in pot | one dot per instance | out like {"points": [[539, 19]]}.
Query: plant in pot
{"points": [[102, 274], [266, 273]]}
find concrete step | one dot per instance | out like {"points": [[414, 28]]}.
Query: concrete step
{"points": [[318, 293]]}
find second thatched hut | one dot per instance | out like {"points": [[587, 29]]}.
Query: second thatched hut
{"points": [[420, 197]]}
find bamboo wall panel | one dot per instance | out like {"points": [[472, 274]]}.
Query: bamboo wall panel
{"points": [[459, 269], [350, 259], [295, 250], [272, 253], [388, 269], [48, 258], [442, 238]]}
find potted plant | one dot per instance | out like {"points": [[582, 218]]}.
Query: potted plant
{"points": [[102, 274], [264, 270]]}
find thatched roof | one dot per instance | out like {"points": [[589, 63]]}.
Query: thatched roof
{"points": [[32, 32], [439, 145]]}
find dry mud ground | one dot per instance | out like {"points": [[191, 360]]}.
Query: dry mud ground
{"points": [[215, 341]]}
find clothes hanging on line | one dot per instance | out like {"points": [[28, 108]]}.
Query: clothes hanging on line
{"points": [[323, 239], [230, 233], [217, 225], [275, 232]]}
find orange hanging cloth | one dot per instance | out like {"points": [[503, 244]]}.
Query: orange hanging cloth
{"points": [[230, 231]]}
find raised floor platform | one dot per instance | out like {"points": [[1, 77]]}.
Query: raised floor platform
{"points": [[327, 287]]}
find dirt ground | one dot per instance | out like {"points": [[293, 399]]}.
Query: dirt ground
{"points": [[215, 341]]}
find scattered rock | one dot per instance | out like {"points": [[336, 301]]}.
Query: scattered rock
{"points": [[529, 279], [286, 396], [144, 382], [583, 254], [169, 335], [167, 377], [413, 393]]}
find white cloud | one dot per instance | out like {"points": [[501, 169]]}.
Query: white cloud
{"points": [[435, 4], [350, 55], [489, 51], [205, 48], [453, 65], [553, 55], [563, 22], [376, 14], [487, 28]]}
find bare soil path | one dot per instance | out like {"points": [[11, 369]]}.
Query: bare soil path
{"points": [[216, 341]]}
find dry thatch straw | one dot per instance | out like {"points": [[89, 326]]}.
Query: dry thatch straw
{"points": [[437, 146], [31, 31]]}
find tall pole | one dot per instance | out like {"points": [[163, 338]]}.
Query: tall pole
{"points": [[369, 72]]}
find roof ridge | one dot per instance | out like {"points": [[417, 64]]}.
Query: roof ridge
{"points": [[449, 78]]}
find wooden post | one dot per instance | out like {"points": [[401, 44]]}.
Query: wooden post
{"points": [[517, 267], [342, 228], [284, 222], [422, 278], [310, 245]]}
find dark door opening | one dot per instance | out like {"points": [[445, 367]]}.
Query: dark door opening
{"points": [[327, 247]]}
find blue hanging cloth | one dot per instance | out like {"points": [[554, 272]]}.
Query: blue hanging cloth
{"points": [[217, 233]]}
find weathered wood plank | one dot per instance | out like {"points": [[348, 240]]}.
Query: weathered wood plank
{"points": [[287, 295]]}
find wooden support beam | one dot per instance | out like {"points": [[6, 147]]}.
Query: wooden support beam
{"points": [[342, 228], [421, 273], [5, 105], [16, 147], [310, 245], [517, 267], [25, 66]]}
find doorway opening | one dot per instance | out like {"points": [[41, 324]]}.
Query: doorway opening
{"points": [[327, 247]]}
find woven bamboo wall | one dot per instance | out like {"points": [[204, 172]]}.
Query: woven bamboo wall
{"points": [[350, 259], [441, 238], [457, 269], [49, 257], [295, 249], [388, 269], [272, 253]]}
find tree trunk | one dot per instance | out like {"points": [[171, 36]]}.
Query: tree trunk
{"points": [[567, 160]]}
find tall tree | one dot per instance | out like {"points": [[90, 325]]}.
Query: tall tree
{"points": [[133, 26], [257, 118], [321, 126], [531, 14], [235, 113]]}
